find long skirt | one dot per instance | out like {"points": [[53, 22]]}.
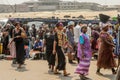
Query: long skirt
{"points": [[83, 66], [20, 53], [50, 57], [61, 59], [106, 59]]}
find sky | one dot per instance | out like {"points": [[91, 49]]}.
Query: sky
{"points": [[102, 2]]}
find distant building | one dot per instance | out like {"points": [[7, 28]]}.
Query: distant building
{"points": [[52, 5], [48, 5], [21, 8], [113, 7], [67, 5], [6, 8], [32, 5]]}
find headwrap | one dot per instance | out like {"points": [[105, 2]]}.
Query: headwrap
{"points": [[59, 24], [70, 23]]}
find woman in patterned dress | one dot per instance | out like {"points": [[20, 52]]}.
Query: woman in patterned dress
{"points": [[59, 41], [105, 58]]}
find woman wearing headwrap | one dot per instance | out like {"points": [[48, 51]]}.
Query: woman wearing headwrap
{"points": [[59, 41], [105, 58]]}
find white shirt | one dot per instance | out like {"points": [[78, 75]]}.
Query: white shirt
{"points": [[89, 31], [77, 32]]}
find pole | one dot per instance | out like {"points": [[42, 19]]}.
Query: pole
{"points": [[15, 8], [74, 4]]}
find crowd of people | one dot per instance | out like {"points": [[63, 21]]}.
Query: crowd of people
{"points": [[78, 41]]}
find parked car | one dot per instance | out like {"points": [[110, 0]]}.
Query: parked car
{"points": [[4, 22], [37, 24]]}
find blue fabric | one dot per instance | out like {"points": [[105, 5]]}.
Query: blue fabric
{"points": [[70, 37], [110, 32], [115, 41], [81, 40], [37, 44]]}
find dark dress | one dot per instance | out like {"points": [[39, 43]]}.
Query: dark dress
{"points": [[60, 55], [34, 32], [5, 41], [49, 48], [19, 48]]}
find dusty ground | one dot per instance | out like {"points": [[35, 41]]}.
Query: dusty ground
{"points": [[38, 70]]}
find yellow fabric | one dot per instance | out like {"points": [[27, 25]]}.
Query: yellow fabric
{"points": [[1, 48], [62, 39]]}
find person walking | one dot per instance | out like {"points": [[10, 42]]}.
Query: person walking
{"points": [[77, 32], [18, 35], [84, 54], [48, 43], [59, 41], [105, 58], [70, 36], [106, 46]]}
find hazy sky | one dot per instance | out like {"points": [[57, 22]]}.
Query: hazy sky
{"points": [[103, 2]]}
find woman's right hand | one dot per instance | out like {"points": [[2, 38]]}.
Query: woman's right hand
{"points": [[54, 51], [18, 36]]}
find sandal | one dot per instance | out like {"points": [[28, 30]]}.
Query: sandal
{"points": [[98, 73], [49, 66], [57, 73], [66, 74], [114, 72], [81, 77]]}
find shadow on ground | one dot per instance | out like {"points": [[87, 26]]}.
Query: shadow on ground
{"points": [[22, 69], [109, 76]]}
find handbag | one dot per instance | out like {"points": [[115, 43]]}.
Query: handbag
{"points": [[23, 35]]}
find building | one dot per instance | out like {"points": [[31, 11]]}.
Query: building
{"points": [[74, 5], [53, 5], [6, 8], [67, 5], [48, 5], [43, 5], [21, 8], [32, 5]]}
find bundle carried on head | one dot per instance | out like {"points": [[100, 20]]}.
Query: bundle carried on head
{"points": [[104, 18]]}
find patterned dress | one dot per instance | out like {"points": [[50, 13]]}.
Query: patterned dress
{"points": [[61, 41], [105, 58], [83, 66]]}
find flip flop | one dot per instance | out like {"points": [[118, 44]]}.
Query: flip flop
{"points": [[67, 74], [57, 73]]}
